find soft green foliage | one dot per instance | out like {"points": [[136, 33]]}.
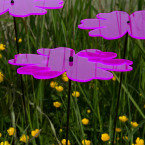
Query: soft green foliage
{"points": [[59, 28]]}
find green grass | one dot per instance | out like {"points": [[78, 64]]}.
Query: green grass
{"points": [[59, 28]]}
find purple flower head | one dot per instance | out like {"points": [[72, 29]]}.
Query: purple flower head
{"points": [[24, 8], [116, 24], [82, 67]]}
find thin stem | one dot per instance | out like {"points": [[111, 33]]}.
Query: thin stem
{"points": [[119, 92], [68, 111], [21, 80], [15, 28]]}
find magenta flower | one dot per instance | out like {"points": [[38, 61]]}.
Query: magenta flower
{"points": [[82, 67], [116, 24], [24, 8]]}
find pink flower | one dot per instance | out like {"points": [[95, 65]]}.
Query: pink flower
{"points": [[82, 67], [116, 24], [24, 8]]}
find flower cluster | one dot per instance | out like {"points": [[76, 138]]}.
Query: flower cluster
{"points": [[24, 138], [4, 143], [19, 40], [56, 86], [11, 131], [2, 47], [139, 141], [86, 142], [35, 133], [64, 142], [64, 77]]}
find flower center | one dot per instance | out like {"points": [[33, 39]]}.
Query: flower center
{"points": [[70, 59], [12, 2]]}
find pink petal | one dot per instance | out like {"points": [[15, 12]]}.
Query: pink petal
{"points": [[28, 59], [49, 4], [95, 54], [110, 25], [46, 74], [137, 25], [91, 24], [24, 8], [29, 70], [83, 71], [4, 6]]}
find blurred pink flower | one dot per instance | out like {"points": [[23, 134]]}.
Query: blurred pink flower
{"points": [[116, 24], [24, 8], [82, 67]]}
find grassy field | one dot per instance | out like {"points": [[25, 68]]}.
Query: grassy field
{"points": [[97, 100]]}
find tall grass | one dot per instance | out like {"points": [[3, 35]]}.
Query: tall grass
{"points": [[59, 28]]}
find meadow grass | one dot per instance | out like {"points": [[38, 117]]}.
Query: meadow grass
{"points": [[59, 28]]}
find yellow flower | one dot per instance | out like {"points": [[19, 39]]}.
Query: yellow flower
{"points": [[144, 106], [64, 74], [34, 132], [117, 138], [53, 84], [1, 56], [20, 40], [123, 118], [125, 137], [56, 104], [114, 79], [4, 143], [65, 78], [59, 88], [85, 121], [23, 138], [76, 94], [134, 124], [86, 142], [88, 111], [140, 94], [11, 131], [60, 130], [64, 142], [0, 134], [139, 141], [2, 47], [1, 77], [105, 137], [118, 129]]}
